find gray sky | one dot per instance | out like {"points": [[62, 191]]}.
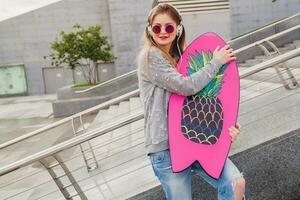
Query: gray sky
{"points": [[11, 8]]}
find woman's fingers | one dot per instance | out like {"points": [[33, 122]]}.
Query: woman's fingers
{"points": [[233, 137], [229, 50], [225, 47], [231, 54], [238, 126], [233, 131], [216, 49], [225, 54]]}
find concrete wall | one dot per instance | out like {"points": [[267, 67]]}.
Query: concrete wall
{"points": [[216, 21], [246, 15], [128, 19]]}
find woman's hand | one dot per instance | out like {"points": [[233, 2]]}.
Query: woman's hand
{"points": [[224, 55], [234, 131]]}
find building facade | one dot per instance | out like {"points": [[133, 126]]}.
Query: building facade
{"points": [[26, 38]]}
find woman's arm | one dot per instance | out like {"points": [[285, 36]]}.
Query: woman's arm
{"points": [[165, 76]]}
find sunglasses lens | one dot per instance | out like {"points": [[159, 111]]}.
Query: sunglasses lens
{"points": [[169, 28], [156, 29]]}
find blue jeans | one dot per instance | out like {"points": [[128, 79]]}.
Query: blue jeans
{"points": [[177, 186]]}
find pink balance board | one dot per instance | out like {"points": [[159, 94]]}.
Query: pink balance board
{"points": [[198, 124]]}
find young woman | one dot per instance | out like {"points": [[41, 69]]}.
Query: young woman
{"points": [[158, 78]]}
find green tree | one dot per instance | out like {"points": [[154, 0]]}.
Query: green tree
{"points": [[81, 50]]}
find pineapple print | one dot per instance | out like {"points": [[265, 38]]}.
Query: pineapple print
{"points": [[202, 113]]}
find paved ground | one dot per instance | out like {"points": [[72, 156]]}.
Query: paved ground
{"points": [[20, 115], [271, 171]]}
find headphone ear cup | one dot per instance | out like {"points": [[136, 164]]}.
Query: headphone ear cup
{"points": [[149, 30], [179, 30]]}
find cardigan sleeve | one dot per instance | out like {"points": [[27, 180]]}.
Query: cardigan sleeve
{"points": [[165, 76]]}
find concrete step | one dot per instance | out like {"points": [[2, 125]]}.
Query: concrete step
{"points": [[251, 62], [286, 49], [268, 116], [260, 58], [252, 88], [262, 82], [289, 46], [67, 107], [115, 147], [296, 43], [97, 121], [122, 163], [267, 71], [123, 110], [116, 171], [109, 142], [100, 116], [135, 104], [245, 65], [254, 61], [110, 115]]}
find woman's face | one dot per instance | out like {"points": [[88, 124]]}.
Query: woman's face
{"points": [[163, 38]]}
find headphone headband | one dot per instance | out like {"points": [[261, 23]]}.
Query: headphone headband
{"points": [[152, 10], [179, 26]]}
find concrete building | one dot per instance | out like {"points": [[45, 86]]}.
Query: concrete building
{"points": [[26, 38]]}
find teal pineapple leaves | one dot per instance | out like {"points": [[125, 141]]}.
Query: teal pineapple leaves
{"points": [[196, 63]]}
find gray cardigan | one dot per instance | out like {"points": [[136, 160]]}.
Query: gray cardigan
{"points": [[157, 84]]}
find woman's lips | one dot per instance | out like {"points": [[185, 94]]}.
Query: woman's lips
{"points": [[163, 37]]}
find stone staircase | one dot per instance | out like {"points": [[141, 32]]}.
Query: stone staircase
{"points": [[258, 59], [267, 111]]}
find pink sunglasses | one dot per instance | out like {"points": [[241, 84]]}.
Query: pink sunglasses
{"points": [[157, 28]]}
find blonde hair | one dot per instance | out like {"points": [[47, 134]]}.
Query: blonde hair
{"points": [[173, 55]]}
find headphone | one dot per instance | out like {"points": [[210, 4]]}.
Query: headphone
{"points": [[179, 28]]}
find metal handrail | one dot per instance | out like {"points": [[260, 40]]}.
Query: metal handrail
{"points": [[106, 82], [275, 36], [67, 119], [270, 63], [137, 115], [128, 95]]}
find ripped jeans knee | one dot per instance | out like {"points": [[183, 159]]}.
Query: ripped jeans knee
{"points": [[241, 185]]}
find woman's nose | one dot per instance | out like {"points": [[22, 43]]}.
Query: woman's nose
{"points": [[163, 31]]}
